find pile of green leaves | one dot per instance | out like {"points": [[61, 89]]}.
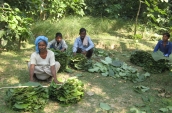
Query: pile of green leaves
{"points": [[70, 92], [27, 98], [116, 69], [153, 63], [62, 58], [140, 57], [80, 62]]}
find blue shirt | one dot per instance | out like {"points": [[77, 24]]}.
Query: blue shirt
{"points": [[79, 44], [165, 49]]}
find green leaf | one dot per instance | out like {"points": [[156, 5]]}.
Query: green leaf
{"points": [[122, 74], [105, 106], [111, 73], [158, 55], [117, 63], [164, 110], [108, 60], [95, 69], [104, 62], [170, 58], [21, 106], [170, 108], [105, 74], [147, 74]]}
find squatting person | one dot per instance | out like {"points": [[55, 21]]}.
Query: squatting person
{"points": [[83, 44], [42, 63], [164, 45]]}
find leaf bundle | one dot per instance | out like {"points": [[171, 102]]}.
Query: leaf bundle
{"points": [[62, 58], [80, 62], [155, 63], [27, 98], [69, 93]]}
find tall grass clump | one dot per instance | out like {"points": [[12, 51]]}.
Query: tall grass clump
{"points": [[69, 26]]}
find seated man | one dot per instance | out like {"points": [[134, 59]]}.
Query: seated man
{"points": [[83, 44], [164, 45], [58, 43], [42, 63]]}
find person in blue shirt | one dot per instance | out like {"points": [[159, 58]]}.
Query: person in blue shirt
{"points": [[83, 44], [164, 45]]}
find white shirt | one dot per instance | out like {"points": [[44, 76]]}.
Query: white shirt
{"points": [[62, 44], [79, 44], [48, 61]]}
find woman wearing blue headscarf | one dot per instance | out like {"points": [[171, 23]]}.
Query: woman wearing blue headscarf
{"points": [[42, 62]]}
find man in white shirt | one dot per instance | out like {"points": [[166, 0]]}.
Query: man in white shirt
{"points": [[83, 44], [58, 43]]}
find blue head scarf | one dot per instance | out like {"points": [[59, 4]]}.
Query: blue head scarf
{"points": [[39, 39]]}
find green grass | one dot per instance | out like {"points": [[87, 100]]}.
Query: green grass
{"points": [[107, 34]]}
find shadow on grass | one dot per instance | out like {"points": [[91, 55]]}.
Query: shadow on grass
{"points": [[118, 93]]}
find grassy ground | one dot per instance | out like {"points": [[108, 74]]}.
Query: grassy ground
{"points": [[118, 93]]}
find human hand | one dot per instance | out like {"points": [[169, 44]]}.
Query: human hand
{"points": [[84, 52], [74, 53], [166, 55], [62, 50], [57, 82]]}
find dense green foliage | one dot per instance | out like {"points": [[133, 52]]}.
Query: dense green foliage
{"points": [[80, 62], [16, 16], [13, 28], [70, 92], [145, 59], [28, 98], [62, 58]]}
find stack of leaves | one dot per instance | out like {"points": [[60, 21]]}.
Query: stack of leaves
{"points": [[140, 57], [155, 63], [62, 58], [80, 62], [70, 92], [116, 69], [31, 97]]}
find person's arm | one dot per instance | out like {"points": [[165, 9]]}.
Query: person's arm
{"points": [[53, 72], [157, 46], [31, 71], [52, 68], [64, 45], [91, 45], [50, 43], [32, 66], [75, 46]]}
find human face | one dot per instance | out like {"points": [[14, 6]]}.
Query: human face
{"points": [[58, 38], [42, 46], [82, 34], [165, 38]]}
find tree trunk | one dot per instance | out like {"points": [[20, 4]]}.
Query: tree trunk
{"points": [[138, 12], [19, 43]]}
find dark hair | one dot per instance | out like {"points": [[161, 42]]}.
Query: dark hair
{"points": [[167, 34], [82, 30], [58, 35]]}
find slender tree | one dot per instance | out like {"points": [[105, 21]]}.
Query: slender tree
{"points": [[138, 12]]}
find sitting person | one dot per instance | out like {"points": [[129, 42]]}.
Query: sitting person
{"points": [[83, 44], [58, 43], [164, 45], [42, 63]]}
